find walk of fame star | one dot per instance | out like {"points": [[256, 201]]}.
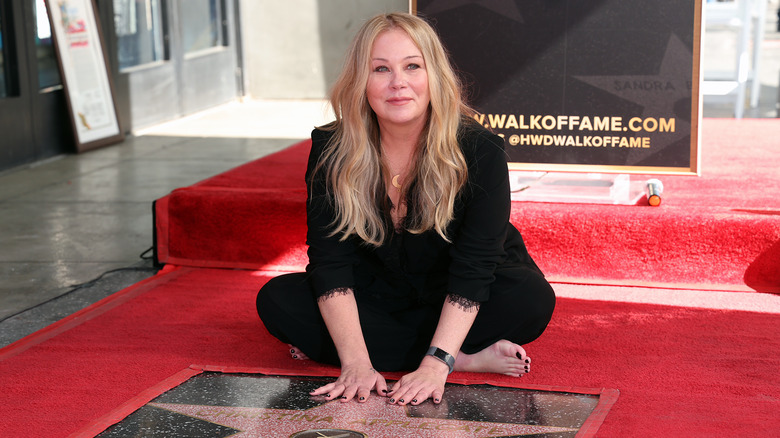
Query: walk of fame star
{"points": [[376, 418]]}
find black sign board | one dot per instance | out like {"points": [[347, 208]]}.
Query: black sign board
{"points": [[586, 86]]}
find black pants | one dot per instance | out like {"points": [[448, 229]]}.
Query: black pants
{"points": [[398, 334]]}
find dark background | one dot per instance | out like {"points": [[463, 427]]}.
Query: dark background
{"points": [[597, 58]]}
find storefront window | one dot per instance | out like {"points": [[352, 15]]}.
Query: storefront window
{"points": [[48, 71], [139, 32], [201, 24], [3, 88]]}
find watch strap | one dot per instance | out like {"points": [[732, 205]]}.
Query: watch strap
{"points": [[443, 356]]}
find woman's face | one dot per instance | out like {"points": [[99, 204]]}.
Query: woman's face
{"points": [[397, 88]]}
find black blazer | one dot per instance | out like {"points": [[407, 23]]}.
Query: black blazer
{"points": [[423, 267]]}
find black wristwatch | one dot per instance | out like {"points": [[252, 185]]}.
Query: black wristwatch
{"points": [[443, 356]]}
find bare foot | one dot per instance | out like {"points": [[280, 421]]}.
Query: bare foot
{"points": [[503, 357], [296, 353]]}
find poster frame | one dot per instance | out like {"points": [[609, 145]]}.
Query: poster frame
{"points": [[693, 169], [84, 136]]}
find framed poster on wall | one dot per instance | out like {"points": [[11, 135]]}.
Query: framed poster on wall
{"points": [[607, 86], [84, 73]]}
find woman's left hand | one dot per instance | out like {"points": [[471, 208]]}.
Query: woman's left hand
{"points": [[424, 383]]}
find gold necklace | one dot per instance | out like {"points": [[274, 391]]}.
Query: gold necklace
{"points": [[395, 180]]}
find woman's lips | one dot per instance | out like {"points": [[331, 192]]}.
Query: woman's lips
{"points": [[398, 100]]}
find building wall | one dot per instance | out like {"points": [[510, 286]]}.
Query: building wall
{"points": [[294, 49]]}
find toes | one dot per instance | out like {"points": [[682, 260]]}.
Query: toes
{"points": [[524, 360], [296, 353], [517, 369]]}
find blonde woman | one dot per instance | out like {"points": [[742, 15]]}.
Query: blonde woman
{"points": [[413, 263]]}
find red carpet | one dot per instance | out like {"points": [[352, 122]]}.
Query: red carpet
{"points": [[680, 371], [720, 231]]}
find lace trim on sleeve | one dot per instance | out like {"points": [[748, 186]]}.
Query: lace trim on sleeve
{"points": [[463, 303], [334, 292]]}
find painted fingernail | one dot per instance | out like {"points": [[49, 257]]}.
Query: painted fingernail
{"points": [[295, 356], [436, 400], [343, 397], [528, 361], [527, 367], [519, 356], [362, 398], [292, 350], [414, 401], [327, 395], [385, 391], [392, 400], [401, 401]]}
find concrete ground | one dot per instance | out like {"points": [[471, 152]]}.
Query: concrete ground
{"points": [[77, 228]]}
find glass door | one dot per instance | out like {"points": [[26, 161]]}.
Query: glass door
{"points": [[3, 66], [208, 54], [201, 25], [51, 124], [146, 84], [139, 32], [174, 58], [16, 143], [46, 59]]}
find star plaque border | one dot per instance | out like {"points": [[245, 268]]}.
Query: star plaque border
{"points": [[375, 417]]}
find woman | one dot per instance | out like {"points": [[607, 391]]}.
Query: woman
{"points": [[413, 264]]}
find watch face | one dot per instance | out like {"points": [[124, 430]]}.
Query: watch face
{"points": [[328, 433], [443, 356]]}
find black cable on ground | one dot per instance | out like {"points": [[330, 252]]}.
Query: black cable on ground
{"points": [[85, 285], [144, 255]]}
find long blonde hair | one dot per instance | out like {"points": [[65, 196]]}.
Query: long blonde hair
{"points": [[352, 162]]}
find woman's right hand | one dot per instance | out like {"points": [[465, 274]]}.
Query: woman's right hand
{"points": [[355, 381], [358, 377]]}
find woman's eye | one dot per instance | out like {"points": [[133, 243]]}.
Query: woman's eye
{"points": [[413, 66], [381, 68]]}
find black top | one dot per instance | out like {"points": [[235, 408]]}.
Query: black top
{"points": [[423, 267]]}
